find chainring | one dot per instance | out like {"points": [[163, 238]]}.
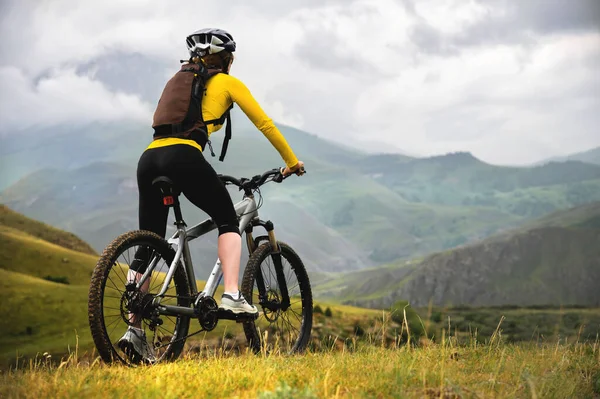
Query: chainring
{"points": [[207, 310]]}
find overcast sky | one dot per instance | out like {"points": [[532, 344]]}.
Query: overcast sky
{"points": [[511, 81]]}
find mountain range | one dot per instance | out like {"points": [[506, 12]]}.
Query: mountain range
{"points": [[554, 260], [589, 156], [351, 211]]}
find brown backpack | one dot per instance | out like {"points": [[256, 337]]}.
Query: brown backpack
{"points": [[179, 110]]}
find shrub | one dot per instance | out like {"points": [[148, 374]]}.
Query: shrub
{"points": [[58, 279], [358, 330], [317, 309], [328, 312]]}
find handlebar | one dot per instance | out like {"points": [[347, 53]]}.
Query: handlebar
{"points": [[249, 185]]}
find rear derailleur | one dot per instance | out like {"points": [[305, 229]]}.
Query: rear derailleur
{"points": [[135, 302]]}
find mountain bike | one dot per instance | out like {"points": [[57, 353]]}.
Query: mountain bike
{"points": [[274, 279]]}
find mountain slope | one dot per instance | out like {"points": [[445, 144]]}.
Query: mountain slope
{"points": [[555, 260], [368, 222], [43, 316], [24, 253], [460, 179], [589, 156], [374, 209], [11, 219], [39, 314]]}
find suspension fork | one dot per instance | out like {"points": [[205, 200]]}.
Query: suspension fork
{"points": [[276, 256], [260, 281]]}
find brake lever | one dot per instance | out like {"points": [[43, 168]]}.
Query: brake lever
{"points": [[278, 178]]}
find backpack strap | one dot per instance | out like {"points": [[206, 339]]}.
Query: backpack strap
{"points": [[226, 117], [227, 137]]}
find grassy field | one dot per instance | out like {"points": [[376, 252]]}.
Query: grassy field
{"points": [[46, 348], [436, 371], [46, 316]]}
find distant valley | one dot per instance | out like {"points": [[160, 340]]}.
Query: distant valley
{"points": [[351, 211]]}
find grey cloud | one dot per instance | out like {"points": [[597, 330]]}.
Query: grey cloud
{"points": [[330, 84], [13, 15], [460, 123], [432, 78], [522, 21], [409, 7], [131, 73], [278, 7], [509, 22], [327, 110], [431, 41], [320, 50], [548, 16], [324, 50]]}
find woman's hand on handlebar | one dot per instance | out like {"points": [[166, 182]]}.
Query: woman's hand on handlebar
{"points": [[297, 169]]}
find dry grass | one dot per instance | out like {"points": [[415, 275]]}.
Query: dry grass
{"points": [[444, 370]]}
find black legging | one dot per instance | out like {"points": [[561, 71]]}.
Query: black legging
{"points": [[186, 167], [196, 179]]}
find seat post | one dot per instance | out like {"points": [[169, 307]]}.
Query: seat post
{"points": [[178, 216]]}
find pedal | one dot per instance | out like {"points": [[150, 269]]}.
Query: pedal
{"points": [[239, 318]]}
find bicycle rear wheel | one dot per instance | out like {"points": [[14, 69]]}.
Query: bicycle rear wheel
{"points": [[110, 304], [278, 328]]}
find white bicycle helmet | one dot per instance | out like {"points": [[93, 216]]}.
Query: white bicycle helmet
{"points": [[209, 41]]}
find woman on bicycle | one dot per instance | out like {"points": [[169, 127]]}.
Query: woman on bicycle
{"points": [[177, 154]]}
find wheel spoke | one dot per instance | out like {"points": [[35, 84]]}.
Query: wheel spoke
{"points": [[290, 326], [296, 316], [114, 315]]}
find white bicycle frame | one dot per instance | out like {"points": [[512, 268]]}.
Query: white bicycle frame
{"points": [[246, 211]]}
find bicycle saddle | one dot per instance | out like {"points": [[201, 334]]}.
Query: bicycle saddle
{"points": [[168, 189]]}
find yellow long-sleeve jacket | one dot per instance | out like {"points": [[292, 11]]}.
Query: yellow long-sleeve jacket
{"points": [[221, 91]]}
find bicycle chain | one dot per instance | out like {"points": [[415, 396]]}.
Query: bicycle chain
{"points": [[179, 339]]}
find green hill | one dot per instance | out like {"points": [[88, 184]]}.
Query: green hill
{"points": [[14, 220], [44, 281], [99, 201], [24, 253], [351, 211], [551, 261], [44, 292], [41, 316], [460, 179]]}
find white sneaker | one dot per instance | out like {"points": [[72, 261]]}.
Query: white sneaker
{"points": [[134, 345], [237, 306]]}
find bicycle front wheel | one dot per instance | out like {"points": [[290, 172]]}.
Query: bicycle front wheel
{"points": [[285, 321], [111, 305]]}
